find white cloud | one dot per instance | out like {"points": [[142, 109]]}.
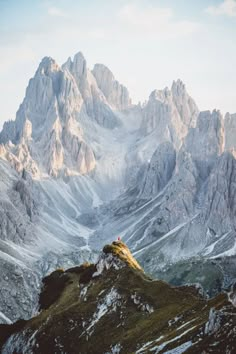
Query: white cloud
{"points": [[227, 8], [155, 22], [56, 12]]}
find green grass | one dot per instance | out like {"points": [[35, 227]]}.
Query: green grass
{"points": [[120, 250]]}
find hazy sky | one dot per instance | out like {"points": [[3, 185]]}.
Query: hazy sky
{"points": [[146, 43]]}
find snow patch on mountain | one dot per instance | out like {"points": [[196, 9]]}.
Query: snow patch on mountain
{"points": [[107, 304]]}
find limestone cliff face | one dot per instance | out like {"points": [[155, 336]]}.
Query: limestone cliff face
{"points": [[170, 113], [160, 170], [206, 142], [220, 201], [195, 185], [116, 94], [48, 125], [97, 106], [230, 131]]}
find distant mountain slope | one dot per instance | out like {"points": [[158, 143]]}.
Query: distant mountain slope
{"points": [[30, 246]]}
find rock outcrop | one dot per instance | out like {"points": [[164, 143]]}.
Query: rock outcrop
{"points": [[95, 101], [116, 94], [47, 135], [169, 114], [159, 170]]}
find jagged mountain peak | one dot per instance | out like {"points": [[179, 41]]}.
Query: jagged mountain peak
{"points": [[178, 94], [159, 95], [79, 56], [79, 65], [178, 87], [207, 118], [170, 113], [102, 70], [79, 70], [57, 100], [116, 94], [48, 64]]}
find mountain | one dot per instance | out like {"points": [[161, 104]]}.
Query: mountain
{"points": [[116, 94], [46, 170], [114, 307], [48, 129], [181, 206], [169, 114], [81, 164]]}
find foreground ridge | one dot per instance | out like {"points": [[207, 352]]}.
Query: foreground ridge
{"points": [[114, 307]]}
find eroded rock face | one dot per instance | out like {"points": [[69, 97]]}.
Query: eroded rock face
{"points": [[27, 251], [48, 134], [199, 191], [49, 114], [220, 201], [230, 131], [95, 101], [116, 94], [159, 170], [169, 113], [182, 203], [17, 207], [206, 142]]}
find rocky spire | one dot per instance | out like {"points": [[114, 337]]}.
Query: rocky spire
{"points": [[116, 94], [51, 112], [170, 114], [206, 141]]}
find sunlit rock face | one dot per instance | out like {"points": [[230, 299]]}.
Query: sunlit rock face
{"points": [[170, 113], [96, 104], [206, 142], [230, 131], [78, 304], [47, 130], [116, 94]]}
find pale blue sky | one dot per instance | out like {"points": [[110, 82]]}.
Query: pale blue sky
{"points": [[146, 43]]}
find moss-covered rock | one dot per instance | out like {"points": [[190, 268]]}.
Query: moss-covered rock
{"points": [[53, 286], [121, 251]]}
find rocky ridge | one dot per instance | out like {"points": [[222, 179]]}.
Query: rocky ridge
{"points": [[80, 304], [47, 135]]}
